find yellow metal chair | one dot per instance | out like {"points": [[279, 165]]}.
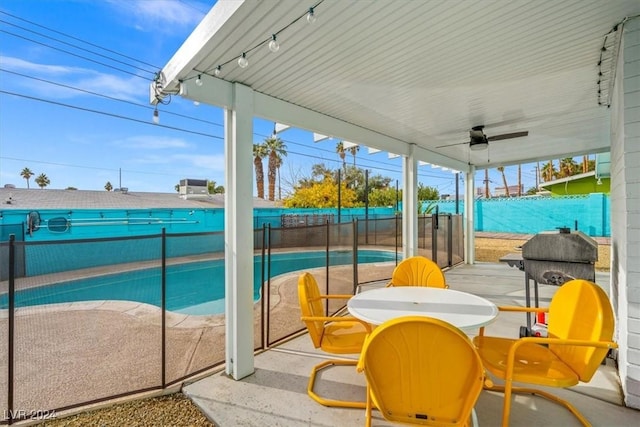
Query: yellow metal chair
{"points": [[336, 335], [418, 271], [580, 331], [421, 371]]}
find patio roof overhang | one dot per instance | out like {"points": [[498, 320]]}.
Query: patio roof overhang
{"points": [[404, 77], [407, 77]]}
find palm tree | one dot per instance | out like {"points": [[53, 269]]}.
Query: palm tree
{"points": [[504, 181], [259, 153], [568, 167], [26, 174], [343, 154], [486, 184], [278, 164], [353, 150], [548, 171], [519, 180], [277, 150], [108, 186], [42, 180]]}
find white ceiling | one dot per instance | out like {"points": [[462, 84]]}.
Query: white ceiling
{"points": [[421, 72]]}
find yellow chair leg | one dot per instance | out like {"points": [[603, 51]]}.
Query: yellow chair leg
{"points": [[508, 390], [506, 410], [332, 402], [367, 421]]}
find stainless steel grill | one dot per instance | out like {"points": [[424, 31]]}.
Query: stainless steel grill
{"points": [[554, 258]]}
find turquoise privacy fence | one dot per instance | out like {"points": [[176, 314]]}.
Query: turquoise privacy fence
{"points": [[528, 215], [588, 213]]}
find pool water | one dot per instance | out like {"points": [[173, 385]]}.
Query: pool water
{"points": [[194, 288]]}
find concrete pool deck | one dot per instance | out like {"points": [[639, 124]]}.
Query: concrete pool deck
{"points": [[276, 393], [80, 352]]}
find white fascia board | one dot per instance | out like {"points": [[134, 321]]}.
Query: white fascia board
{"points": [[281, 111], [438, 159], [275, 109], [198, 44]]}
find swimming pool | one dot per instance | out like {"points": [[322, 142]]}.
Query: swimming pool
{"points": [[195, 288]]}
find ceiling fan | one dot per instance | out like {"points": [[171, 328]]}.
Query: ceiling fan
{"points": [[479, 141]]}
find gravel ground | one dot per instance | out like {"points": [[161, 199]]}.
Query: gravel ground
{"points": [[176, 410]]}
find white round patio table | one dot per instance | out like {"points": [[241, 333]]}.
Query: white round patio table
{"points": [[463, 310]]}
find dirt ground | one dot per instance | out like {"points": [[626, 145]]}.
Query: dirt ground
{"points": [[491, 250]]}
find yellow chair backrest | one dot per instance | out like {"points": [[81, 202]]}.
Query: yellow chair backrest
{"points": [[581, 310], [418, 271], [422, 371], [311, 305]]}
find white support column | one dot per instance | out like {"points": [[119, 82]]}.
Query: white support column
{"points": [[409, 205], [469, 207], [625, 211], [238, 235]]}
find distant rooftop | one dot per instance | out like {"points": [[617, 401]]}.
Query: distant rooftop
{"points": [[37, 198]]}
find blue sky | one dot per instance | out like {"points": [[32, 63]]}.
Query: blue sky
{"points": [[56, 56]]}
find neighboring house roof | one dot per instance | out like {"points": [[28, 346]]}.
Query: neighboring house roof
{"points": [[583, 183], [22, 198], [568, 178]]}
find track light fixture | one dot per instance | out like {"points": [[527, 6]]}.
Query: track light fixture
{"points": [[199, 80], [217, 71]]}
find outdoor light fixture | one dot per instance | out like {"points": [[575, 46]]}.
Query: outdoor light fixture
{"points": [[156, 116], [199, 80], [274, 46], [217, 71], [478, 140], [243, 62], [311, 16]]}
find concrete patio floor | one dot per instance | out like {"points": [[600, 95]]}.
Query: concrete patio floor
{"points": [[275, 395]]}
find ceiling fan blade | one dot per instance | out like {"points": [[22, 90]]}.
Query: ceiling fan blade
{"points": [[451, 145], [508, 135]]}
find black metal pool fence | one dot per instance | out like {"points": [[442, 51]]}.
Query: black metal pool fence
{"points": [[97, 346]]}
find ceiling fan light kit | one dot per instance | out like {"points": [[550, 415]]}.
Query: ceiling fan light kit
{"points": [[478, 139]]}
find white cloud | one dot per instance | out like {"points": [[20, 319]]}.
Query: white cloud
{"points": [[126, 88], [209, 162], [20, 65], [130, 89], [202, 164], [160, 15], [148, 142]]}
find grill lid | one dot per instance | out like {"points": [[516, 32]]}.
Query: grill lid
{"points": [[563, 246]]}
